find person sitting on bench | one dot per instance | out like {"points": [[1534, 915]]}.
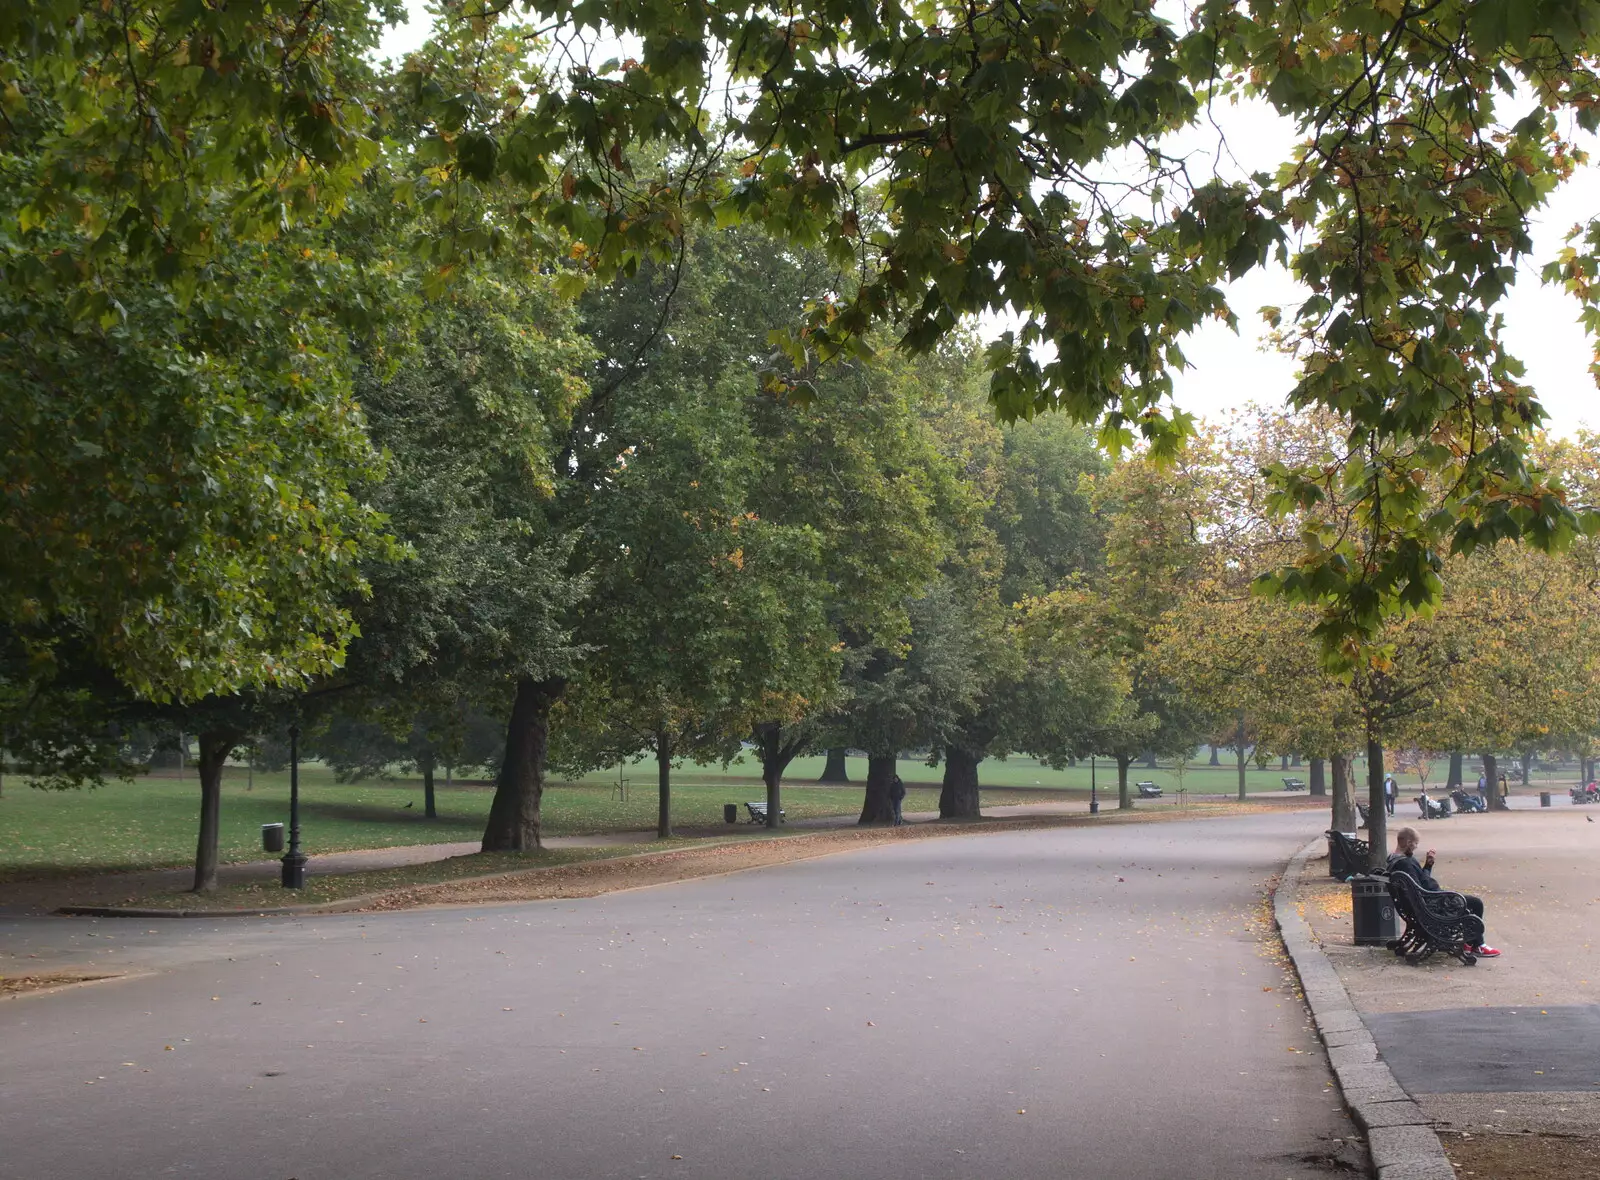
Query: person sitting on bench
{"points": [[1404, 860]]}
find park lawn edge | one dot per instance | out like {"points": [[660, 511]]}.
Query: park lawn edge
{"points": [[418, 894]]}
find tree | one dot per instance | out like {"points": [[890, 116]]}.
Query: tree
{"points": [[959, 161], [706, 618]]}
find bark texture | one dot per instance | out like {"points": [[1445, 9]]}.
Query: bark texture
{"points": [[514, 815], [1317, 782], [876, 807], [1453, 779], [1377, 814], [835, 770], [430, 809], [215, 746], [663, 784], [1216, 757], [1239, 746], [1491, 782], [960, 797], [1123, 801], [1344, 807]]}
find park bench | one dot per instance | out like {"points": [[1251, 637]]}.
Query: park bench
{"points": [[1294, 784], [1435, 920], [1361, 810], [758, 813], [1430, 808], [1148, 790], [1346, 852]]}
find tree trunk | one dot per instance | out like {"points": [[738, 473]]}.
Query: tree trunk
{"points": [[877, 808], [447, 771], [1239, 745], [1216, 757], [1525, 761], [959, 798], [215, 746], [429, 811], [835, 770], [1491, 783], [1345, 818], [776, 754], [1377, 813], [663, 785], [1123, 802], [1149, 760], [1317, 785], [1294, 762], [514, 815], [1285, 762], [1453, 779]]}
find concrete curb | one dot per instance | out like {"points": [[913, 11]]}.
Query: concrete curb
{"points": [[1400, 1138]]}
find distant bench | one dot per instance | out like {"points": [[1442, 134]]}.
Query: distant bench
{"points": [[1294, 784], [758, 813], [1148, 790]]}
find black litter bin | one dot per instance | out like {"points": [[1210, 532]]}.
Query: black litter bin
{"points": [[730, 813], [1544, 798], [1372, 911], [272, 837]]}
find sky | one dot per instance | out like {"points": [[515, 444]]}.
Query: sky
{"points": [[1231, 370]]}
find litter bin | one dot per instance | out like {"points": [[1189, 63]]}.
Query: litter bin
{"points": [[272, 837], [1339, 865], [730, 813], [1372, 911], [1544, 798]]}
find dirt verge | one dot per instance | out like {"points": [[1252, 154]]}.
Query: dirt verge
{"points": [[14, 985], [1523, 1157]]}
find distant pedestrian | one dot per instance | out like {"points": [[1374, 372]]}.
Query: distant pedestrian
{"points": [[1390, 789], [1483, 788], [897, 796], [1505, 790]]}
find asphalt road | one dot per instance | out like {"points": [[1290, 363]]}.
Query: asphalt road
{"points": [[1088, 1002]]}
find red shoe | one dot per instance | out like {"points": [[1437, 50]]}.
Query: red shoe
{"points": [[1486, 952]]}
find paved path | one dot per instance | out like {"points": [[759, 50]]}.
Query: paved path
{"points": [[1511, 1044], [1089, 1002]]}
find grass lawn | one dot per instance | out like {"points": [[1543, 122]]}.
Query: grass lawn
{"points": [[152, 822]]}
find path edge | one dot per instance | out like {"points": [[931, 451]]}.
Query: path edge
{"points": [[1401, 1141]]}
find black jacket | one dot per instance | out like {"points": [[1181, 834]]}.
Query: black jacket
{"points": [[1412, 868]]}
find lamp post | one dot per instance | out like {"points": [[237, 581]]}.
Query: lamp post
{"points": [[294, 861], [1094, 798]]}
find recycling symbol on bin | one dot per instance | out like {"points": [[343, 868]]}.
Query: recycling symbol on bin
{"points": [[1388, 912]]}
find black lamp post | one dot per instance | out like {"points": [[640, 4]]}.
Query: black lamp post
{"points": [[294, 861], [1094, 798]]}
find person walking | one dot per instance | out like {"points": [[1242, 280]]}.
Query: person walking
{"points": [[1483, 789], [1390, 789], [897, 796]]}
